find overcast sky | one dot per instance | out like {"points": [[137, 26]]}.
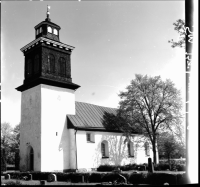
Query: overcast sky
{"points": [[113, 40]]}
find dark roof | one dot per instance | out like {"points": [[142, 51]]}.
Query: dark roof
{"points": [[88, 116]]}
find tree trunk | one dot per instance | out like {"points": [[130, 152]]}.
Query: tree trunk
{"points": [[154, 151], [154, 154]]}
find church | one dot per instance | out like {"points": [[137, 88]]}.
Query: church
{"points": [[58, 133]]}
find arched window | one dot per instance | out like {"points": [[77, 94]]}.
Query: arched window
{"points": [[36, 64], [130, 149], [51, 63], [40, 29], [49, 29], [62, 67], [55, 31], [104, 149], [147, 149], [29, 67]]}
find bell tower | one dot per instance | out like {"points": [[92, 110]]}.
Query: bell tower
{"points": [[48, 95]]}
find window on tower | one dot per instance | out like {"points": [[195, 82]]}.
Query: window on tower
{"points": [[51, 63], [49, 29], [55, 31], [62, 67], [40, 29], [29, 67], [36, 64]]}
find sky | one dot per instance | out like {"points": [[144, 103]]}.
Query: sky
{"points": [[113, 40]]}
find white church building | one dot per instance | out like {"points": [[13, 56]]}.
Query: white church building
{"points": [[56, 132]]}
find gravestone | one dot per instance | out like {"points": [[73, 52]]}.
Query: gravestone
{"points": [[150, 166]]}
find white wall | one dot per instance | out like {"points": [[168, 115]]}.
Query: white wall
{"points": [[30, 127], [89, 154], [43, 125], [56, 103]]}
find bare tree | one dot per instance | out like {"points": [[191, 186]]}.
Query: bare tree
{"points": [[150, 106]]}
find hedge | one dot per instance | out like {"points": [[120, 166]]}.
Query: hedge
{"points": [[95, 177]]}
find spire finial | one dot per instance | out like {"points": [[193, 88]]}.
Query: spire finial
{"points": [[48, 13]]}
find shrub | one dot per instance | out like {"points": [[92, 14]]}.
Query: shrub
{"points": [[96, 177], [161, 167], [78, 177], [10, 167], [160, 178], [69, 170], [106, 167], [182, 178], [63, 177], [141, 167], [181, 167], [128, 167], [137, 178]]}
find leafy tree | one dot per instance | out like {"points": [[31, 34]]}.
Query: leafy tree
{"points": [[6, 141], [9, 142], [150, 106], [169, 146], [180, 28], [15, 145]]}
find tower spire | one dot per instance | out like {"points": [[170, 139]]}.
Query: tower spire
{"points": [[48, 13]]}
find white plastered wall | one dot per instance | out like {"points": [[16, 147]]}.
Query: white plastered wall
{"points": [[43, 126], [89, 154], [30, 127], [56, 103]]}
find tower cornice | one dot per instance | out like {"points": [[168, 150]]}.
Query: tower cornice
{"points": [[48, 41]]}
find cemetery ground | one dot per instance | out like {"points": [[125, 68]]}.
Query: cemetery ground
{"points": [[37, 182]]}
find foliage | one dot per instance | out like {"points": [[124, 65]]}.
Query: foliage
{"points": [[149, 106], [161, 178], [9, 143], [138, 178], [134, 178], [111, 177], [106, 168], [180, 28], [128, 167], [96, 177]]}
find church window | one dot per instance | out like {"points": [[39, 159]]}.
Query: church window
{"points": [[29, 67], [49, 29], [104, 149], [62, 67], [36, 64], [90, 137], [40, 29], [130, 149], [55, 31], [51, 63], [37, 31], [147, 150]]}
